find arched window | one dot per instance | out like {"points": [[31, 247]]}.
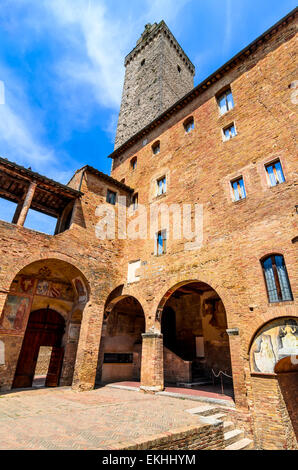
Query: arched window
{"points": [[276, 279], [133, 163], [156, 147], [189, 124]]}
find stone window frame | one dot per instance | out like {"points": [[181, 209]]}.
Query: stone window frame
{"points": [[163, 233], [223, 93], [276, 278], [271, 163], [164, 177], [229, 126], [234, 180]]}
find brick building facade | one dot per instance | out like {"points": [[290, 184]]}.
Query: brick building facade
{"points": [[163, 308]]}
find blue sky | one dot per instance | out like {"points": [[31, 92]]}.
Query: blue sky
{"points": [[61, 62]]}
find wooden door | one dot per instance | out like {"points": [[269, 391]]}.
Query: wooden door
{"points": [[45, 328]]}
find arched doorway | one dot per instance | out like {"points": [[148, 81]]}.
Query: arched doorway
{"points": [[45, 327], [55, 289], [193, 323], [121, 341]]}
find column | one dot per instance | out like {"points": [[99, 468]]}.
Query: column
{"points": [[152, 375], [26, 204], [88, 348]]}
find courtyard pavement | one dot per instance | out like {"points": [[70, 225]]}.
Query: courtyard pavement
{"points": [[61, 419]]}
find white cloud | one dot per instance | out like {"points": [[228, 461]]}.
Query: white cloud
{"points": [[90, 40]]}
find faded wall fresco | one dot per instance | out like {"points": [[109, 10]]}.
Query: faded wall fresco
{"points": [[276, 340], [14, 312]]}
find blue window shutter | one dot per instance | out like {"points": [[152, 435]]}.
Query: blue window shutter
{"points": [[230, 100], [280, 174], [271, 175], [283, 278], [243, 193], [236, 193], [270, 281]]}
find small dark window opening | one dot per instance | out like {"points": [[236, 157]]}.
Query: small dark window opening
{"points": [[161, 242], [143, 62], [111, 197], [156, 147], [189, 124], [133, 163], [135, 200], [276, 279], [179, 68]]}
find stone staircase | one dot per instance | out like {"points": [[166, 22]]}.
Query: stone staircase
{"points": [[234, 438]]}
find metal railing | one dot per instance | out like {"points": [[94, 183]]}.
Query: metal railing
{"points": [[220, 374]]}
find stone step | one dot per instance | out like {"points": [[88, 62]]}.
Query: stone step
{"points": [[220, 416], [242, 444], [232, 436], [205, 410], [228, 426]]}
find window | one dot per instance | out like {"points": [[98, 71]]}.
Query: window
{"points": [[189, 125], [238, 189], [161, 243], [111, 197], [156, 147], [143, 62], [179, 68], [161, 186], [276, 278], [133, 163], [135, 202], [225, 102], [229, 132], [274, 173]]}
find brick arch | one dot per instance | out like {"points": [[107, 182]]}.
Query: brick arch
{"points": [[30, 259], [262, 325], [173, 286], [111, 304]]}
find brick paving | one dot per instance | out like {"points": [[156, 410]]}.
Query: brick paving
{"points": [[63, 419]]}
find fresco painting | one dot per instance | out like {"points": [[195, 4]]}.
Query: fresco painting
{"points": [[14, 312], [81, 290], [276, 340]]}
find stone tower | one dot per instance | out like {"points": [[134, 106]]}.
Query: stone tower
{"points": [[158, 73]]}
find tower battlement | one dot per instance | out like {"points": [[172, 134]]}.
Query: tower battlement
{"points": [[158, 73]]}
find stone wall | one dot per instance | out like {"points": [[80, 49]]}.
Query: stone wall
{"points": [[205, 437], [153, 81]]}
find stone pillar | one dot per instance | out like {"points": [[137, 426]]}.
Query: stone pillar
{"points": [[88, 348], [26, 204], [239, 384], [152, 375], [98, 378]]}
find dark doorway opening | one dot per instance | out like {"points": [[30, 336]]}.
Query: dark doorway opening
{"points": [[45, 328]]}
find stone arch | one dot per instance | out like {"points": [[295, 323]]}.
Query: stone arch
{"points": [[22, 264], [50, 282], [200, 343], [177, 282], [120, 346]]}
